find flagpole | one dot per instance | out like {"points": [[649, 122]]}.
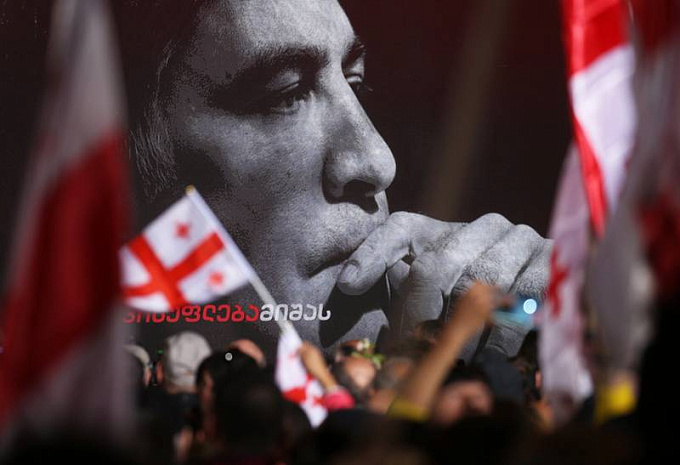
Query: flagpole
{"points": [[252, 275]]}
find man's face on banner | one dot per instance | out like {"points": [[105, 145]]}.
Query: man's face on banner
{"points": [[263, 115]]}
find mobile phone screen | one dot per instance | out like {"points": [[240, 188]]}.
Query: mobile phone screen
{"points": [[523, 311]]}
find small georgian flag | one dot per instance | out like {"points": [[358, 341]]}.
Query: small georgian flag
{"points": [[184, 256]]}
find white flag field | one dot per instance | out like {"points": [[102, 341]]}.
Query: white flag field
{"points": [[294, 381], [184, 256]]}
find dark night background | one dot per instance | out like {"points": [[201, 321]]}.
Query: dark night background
{"points": [[417, 52]]}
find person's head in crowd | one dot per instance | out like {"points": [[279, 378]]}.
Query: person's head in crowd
{"points": [[393, 371], [142, 356], [428, 330], [250, 412], [361, 347], [465, 392], [296, 425], [216, 369], [503, 377], [526, 362], [356, 374], [182, 354], [249, 348]]}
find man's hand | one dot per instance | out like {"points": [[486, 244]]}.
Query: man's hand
{"points": [[445, 258]]}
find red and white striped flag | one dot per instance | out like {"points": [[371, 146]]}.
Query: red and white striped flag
{"points": [[184, 256], [600, 66], [295, 383], [62, 362]]}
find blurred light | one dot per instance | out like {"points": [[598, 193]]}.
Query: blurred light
{"points": [[530, 306]]}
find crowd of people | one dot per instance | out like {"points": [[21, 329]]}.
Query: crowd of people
{"points": [[415, 402]]}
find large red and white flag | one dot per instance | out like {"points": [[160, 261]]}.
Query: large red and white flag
{"points": [[600, 68], [62, 362], [295, 383], [638, 260], [184, 256]]}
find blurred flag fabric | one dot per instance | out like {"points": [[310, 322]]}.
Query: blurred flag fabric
{"points": [[638, 261], [600, 64], [294, 381], [184, 256], [62, 362]]}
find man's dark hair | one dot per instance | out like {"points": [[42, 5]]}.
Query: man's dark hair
{"points": [[226, 364], [296, 425], [462, 372], [250, 413], [152, 33], [529, 349], [526, 362]]}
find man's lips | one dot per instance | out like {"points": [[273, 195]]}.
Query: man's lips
{"points": [[335, 259], [341, 237]]}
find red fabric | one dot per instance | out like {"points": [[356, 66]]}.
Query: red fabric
{"points": [[592, 28], [338, 399], [72, 273], [166, 280], [593, 182]]}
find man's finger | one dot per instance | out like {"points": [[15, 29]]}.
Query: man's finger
{"points": [[434, 273], [504, 261], [403, 234], [533, 280], [463, 248]]}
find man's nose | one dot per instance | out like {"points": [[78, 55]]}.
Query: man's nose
{"points": [[358, 161]]}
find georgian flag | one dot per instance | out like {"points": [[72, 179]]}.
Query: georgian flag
{"points": [[601, 63], [184, 256], [295, 383], [638, 260]]}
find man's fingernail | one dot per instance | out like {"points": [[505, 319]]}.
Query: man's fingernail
{"points": [[349, 273]]}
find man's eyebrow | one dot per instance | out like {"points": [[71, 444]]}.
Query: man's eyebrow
{"points": [[355, 51], [267, 63]]}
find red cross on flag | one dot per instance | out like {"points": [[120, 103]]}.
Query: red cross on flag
{"points": [[294, 381], [184, 256]]}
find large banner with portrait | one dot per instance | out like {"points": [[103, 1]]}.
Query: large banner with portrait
{"points": [[370, 158]]}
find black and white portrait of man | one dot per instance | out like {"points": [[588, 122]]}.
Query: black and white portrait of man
{"points": [[258, 103]]}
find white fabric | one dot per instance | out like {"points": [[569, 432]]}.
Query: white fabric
{"points": [[291, 374], [602, 99], [174, 236], [561, 357]]}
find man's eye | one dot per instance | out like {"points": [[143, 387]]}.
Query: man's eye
{"points": [[287, 101], [360, 88]]}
